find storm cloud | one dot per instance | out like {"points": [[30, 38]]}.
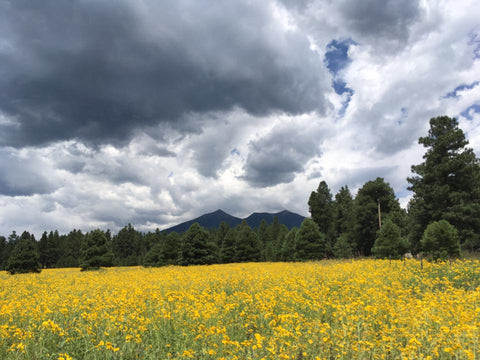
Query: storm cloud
{"points": [[97, 71], [153, 113]]}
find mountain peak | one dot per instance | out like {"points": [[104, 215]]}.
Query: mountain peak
{"points": [[213, 220]]}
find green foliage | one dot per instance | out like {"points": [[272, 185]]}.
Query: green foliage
{"points": [[288, 245], [24, 258], [248, 246], [366, 212], [389, 243], [171, 249], [320, 206], [343, 248], [440, 240], [310, 243], [197, 248], [447, 184], [96, 251], [343, 219], [154, 257], [3, 252], [228, 249], [126, 246]]}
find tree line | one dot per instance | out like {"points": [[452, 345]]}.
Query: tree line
{"points": [[442, 217]]}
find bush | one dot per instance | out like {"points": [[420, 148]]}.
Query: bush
{"points": [[440, 241], [24, 258], [343, 248], [389, 242]]}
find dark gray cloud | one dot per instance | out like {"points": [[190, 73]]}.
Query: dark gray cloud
{"points": [[384, 24], [380, 19], [278, 156], [97, 70], [24, 176]]}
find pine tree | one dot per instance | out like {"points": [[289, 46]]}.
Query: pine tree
{"points": [[228, 250], [310, 243], [440, 240], [389, 243], [196, 248], [24, 257], [126, 246], [320, 206], [171, 249], [447, 184], [343, 219], [154, 257], [288, 245], [70, 249], [264, 237], [248, 247], [221, 233], [366, 203], [96, 251], [343, 248], [3, 253]]}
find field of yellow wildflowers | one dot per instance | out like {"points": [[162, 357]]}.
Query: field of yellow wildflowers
{"points": [[321, 310]]}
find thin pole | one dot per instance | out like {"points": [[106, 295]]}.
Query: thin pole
{"points": [[379, 215]]}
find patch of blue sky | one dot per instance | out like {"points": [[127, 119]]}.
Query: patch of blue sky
{"points": [[461, 88], [234, 151], [475, 42], [468, 112], [336, 59]]}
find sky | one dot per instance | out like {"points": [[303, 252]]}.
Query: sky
{"points": [[153, 113]]}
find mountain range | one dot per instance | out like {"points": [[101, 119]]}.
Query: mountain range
{"points": [[213, 220]]}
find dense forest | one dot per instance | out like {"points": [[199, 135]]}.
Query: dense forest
{"points": [[442, 217]]}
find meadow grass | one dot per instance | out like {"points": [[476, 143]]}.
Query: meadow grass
{"points": [[358, 309]]}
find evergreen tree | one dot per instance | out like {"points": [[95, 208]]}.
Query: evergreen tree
{"points": [[320, 206], [310, 243], [228, 250], [154, 257], [264, 237], [96, 251], [196, 249], [49, 249], [3, 252], [366, 203], [171, 249], [447, 184], [24, 257], [126, 246], [248, 247], [12, 240], [343, 219], [440, 240], [275, 232], [221, 233], [70, 249], [150, 239], [389, 243], [288, 245], [343, 248]]}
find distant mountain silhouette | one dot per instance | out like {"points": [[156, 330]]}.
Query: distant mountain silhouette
{"points": [[208, 221], [213, 220], [285, 217]]}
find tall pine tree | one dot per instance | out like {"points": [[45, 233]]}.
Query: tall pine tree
{"points": [[310, 243], [366, 203], [447, 184], [24, 257], [96, 251]]}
